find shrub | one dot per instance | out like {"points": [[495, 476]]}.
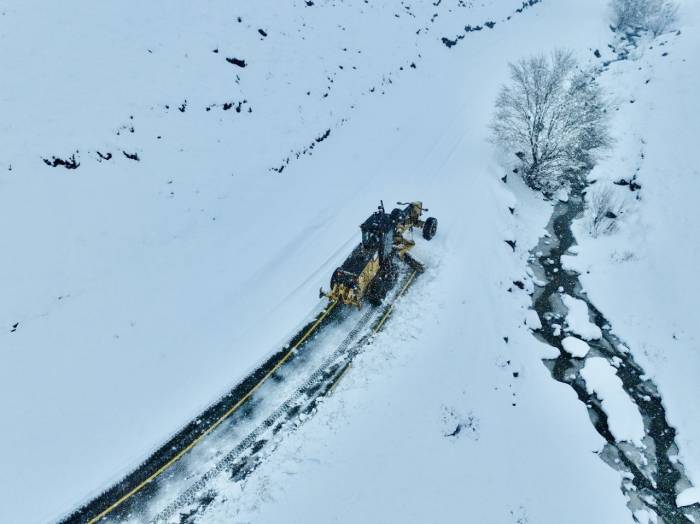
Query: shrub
{"points": [[604, 211], [656, 16]]}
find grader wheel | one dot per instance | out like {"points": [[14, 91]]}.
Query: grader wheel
{"points": [[430, 228], [381, 285]]}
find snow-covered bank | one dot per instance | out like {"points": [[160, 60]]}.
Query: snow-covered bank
{"points": [[623, 402], [644, 274]]}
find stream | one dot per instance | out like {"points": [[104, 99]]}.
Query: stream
{"points": [[652, 475]]}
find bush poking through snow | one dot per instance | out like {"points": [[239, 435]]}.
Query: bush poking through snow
{"points": [[604, 210], [552, 117], [655, 16]]}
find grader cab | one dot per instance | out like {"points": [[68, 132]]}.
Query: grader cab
{"points": [[371, 269]]}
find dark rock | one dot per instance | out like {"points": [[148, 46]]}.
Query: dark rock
{"points": [[236, 61]]}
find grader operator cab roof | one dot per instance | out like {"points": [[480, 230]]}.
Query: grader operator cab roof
{"points": [[374, 229]]}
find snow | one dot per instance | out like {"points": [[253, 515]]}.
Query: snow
{"points": [[571, 263], [644, 276], [532, 320], [624, 420], [144, 290], [577, 319], [379, 449], [562, 195], [688, 497], [575, 346]]}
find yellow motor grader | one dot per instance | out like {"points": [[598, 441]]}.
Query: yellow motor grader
{"points": [[370, 271]]}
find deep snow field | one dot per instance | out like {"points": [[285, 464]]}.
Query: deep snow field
{"points": [[136, 292]]}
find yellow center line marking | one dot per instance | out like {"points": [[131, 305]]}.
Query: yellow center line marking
{"points": [[337, 380], [216, 424]]}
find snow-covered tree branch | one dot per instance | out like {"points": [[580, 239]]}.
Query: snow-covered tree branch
{"points": [[552, 117]]}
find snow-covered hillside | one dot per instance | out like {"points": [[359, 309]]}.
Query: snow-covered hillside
{"points": [[176, 183]]}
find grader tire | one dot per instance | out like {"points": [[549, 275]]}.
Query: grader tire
{"points": [[381, 285], [376, 293], [373, 298], [430, 228]]}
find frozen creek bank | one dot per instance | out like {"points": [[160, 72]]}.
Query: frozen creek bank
{"points": [[624, 405]]}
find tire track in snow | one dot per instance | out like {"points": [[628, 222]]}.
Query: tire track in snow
{"points": [[246, 456]]}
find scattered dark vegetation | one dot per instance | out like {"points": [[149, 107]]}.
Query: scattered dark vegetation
{"points": [[634, 16], [69, 163], [308, 150], [490, 24]]}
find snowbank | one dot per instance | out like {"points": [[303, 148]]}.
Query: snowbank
{"points": [[688, 497], [624, 420], [577, 319], [575, 346], [644, 276]]}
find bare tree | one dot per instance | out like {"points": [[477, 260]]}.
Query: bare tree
{"points": [[603, 211], [552, 117], [656, 16]]}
